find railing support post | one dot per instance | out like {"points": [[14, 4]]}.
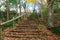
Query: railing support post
{"points": [[1, 38], [13, 25]]}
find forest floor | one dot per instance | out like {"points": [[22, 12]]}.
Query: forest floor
{"points": [[29, 33]]}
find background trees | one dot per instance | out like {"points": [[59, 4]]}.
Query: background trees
{"points": [[50, 12], [50, 5]]}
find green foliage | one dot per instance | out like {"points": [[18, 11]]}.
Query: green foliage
{"points": [[12, 14], [11, 23], [3, 16], [12, 1], [56, 9], [44, 11], [56, 4], [55, 30], [33, 15], [7, 25]]}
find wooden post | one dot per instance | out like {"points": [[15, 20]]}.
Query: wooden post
{"points": [[13, 22], [13, 25], [18, 20], [0, 31]]}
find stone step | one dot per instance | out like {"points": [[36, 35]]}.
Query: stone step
{"points": [[28, 22], [24, 36], [26, 33], [26, 28], [27, 25], [33, 31]]}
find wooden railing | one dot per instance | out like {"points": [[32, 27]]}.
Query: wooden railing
{"points": [[12, 19]]}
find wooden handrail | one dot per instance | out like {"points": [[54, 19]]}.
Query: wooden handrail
{"points": [[12, 19]]}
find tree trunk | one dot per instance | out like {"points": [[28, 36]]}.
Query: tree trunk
{"points": [[41, 9], [7, 9], [50, 12], [25, 12], [20, 6], [18, 9]]}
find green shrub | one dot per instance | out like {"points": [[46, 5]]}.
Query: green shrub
{"points": [[10, 23], [33, 15], [7, 25], [56, 9], [55, 30]]}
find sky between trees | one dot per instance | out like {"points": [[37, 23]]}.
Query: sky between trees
{"points": [[29, 5]]}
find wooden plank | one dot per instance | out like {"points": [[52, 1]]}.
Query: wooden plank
{"points": [[12, 19]]}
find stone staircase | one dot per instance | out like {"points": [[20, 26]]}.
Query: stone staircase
{"points": [[26, 29]]}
